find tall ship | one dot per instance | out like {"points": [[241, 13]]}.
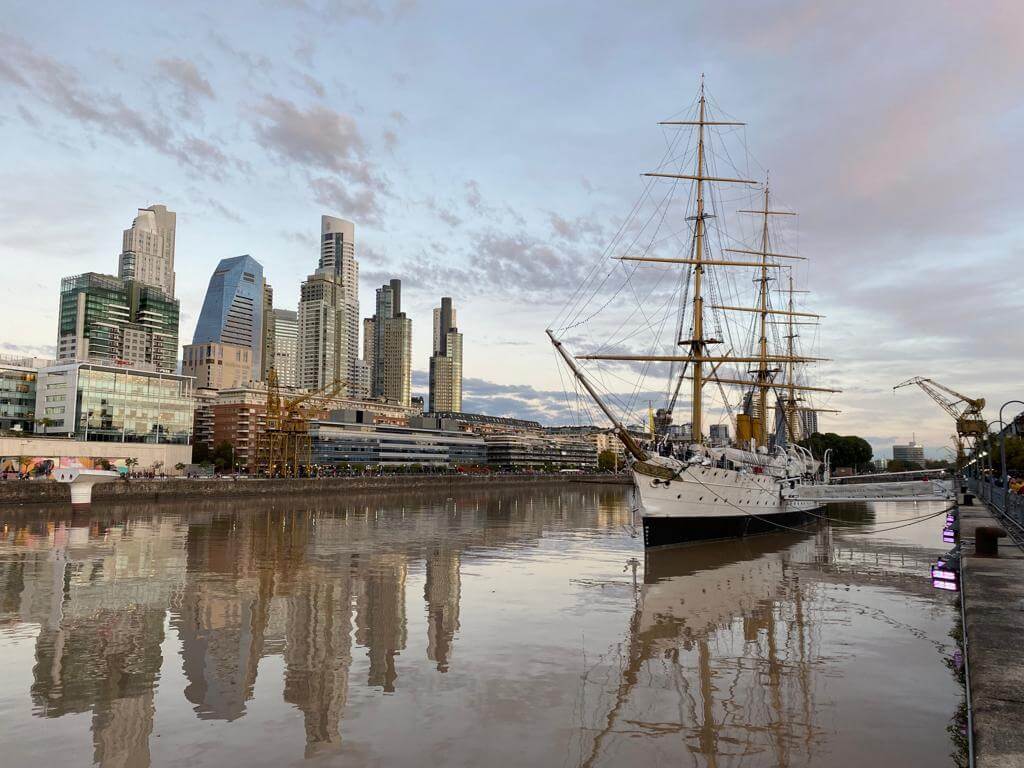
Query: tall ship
{"points": [[736, 467]]}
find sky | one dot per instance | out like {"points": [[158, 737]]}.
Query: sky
{"points": [[491, 152]]}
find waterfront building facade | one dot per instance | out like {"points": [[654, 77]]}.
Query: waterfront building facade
{"points": [[239, 415], [18, 392], [389, 445], [540, 452], [478, 423], [217, 366], [103, 318], [107, 403], [202, 418], [446, 361], [232, 310], [286, 347], [147, 249]]}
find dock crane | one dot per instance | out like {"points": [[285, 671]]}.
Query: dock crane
{"points": [[966, 411], [284, 445]]}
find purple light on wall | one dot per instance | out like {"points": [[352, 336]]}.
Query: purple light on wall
{"points": [[949, 586], [941, 573]]}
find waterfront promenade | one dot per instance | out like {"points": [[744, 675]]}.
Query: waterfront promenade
{"points": [[993, 595]]}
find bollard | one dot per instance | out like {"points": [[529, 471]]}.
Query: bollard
{"points": [[986, 540]]}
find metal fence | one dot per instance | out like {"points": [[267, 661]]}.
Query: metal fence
{"points": [[1010, 504]]}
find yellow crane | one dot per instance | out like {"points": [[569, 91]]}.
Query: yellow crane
{"points": [[966, 411], [284, 445]]}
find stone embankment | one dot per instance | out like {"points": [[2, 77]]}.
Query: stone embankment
{"points": [[993, 594], [49, 492]]}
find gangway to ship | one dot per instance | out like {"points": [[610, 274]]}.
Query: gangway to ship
{"points": [[914, 490]]}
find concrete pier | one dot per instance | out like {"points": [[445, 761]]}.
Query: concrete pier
{"points": [[81, 482], [993, 593]]}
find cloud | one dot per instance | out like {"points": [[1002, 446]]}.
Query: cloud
{"points": [[318, 136], [192, 86], [330, 148], [60, 88]]}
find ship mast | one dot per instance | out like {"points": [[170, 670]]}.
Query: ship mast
{"points": [[764, 374], [698, 353], [697, 342]]}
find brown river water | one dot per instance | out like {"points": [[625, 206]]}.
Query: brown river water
{"points": [[520, 626]]}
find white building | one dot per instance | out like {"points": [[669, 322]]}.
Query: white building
{"points": [[147, 249], [286, 347]]}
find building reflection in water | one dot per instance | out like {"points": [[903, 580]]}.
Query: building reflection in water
{"points": [[721, 650], [311, 583]]}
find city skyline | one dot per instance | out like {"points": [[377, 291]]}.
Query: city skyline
{"points": [[504, 216]]}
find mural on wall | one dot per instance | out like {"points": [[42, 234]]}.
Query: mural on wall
{"points": [[44, 466]]}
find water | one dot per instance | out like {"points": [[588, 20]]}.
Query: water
{"points": [[522, 627]]}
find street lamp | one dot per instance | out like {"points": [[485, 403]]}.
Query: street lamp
{"points": [[1002, 448]]}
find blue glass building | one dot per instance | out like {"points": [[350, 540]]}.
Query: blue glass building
{"points": [[233, 308]]}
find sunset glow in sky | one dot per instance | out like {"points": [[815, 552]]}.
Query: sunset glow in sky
{"points": [[486, 150]]}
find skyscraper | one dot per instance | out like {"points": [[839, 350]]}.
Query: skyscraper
{"points": [[106, 319], [147, 249], [286, 347], [232, 311], [328, 316], [446, 362], [267, 337], [392, 346]]}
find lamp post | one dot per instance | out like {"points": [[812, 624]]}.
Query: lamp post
{"points": [[1002, 450]]}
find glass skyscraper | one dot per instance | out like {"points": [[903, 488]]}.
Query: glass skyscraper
{"points": [[233, 309], [107, 319]]}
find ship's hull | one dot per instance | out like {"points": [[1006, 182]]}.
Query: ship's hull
{"points": [[696, 503]]}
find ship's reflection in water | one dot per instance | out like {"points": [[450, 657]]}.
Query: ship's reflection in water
{"points": [[500, 628]]}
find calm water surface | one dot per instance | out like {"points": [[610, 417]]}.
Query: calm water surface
{"points": [[522, 627]]}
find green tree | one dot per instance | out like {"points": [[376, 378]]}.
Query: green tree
{"points": [[223, 456], [607, 461], [847, 450], [200, 453]]}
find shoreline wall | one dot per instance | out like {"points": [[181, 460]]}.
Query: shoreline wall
{"points": [[51, 492]]}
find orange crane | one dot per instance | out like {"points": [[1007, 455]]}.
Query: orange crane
{"points": [[966, 411], [284, 445]]}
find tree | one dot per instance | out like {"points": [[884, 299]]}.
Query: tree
{"points": [[103, 464], [180, 466], [200, 453], [607, 461], [223, 456], [847, 450]]}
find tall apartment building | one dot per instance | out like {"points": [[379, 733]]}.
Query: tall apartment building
{"points": [[232, 311], [392, 346], [446, 362], [268, 336], [286, 347], [321, 328], [106, 319], [328, 316], [808, 423], [147, 249]]}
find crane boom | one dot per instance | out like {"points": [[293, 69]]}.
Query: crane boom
{"points": [[966, 411]]}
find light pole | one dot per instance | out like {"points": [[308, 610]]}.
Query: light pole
{"points": [[1002, 448]]}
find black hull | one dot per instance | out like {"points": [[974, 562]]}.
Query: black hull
{"points": [[666, 531]]}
